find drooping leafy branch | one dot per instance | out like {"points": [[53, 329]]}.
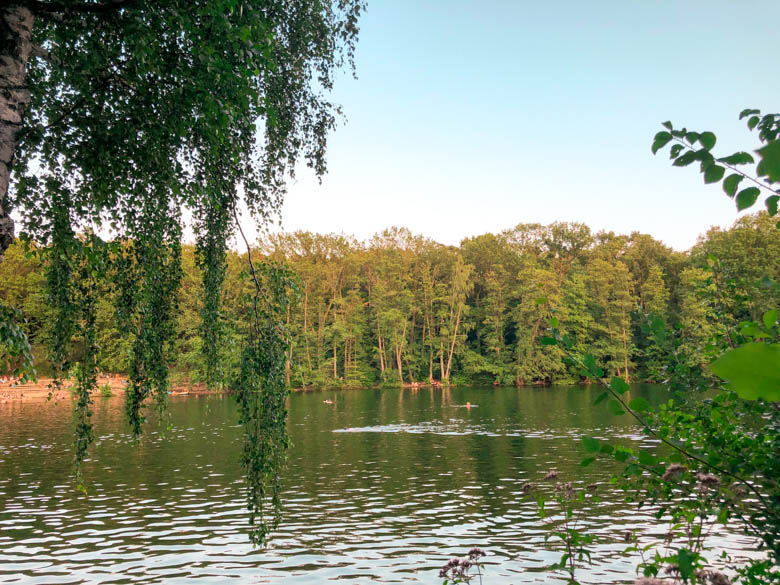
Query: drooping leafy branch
{"points": [[261, 390], [118, 116]]}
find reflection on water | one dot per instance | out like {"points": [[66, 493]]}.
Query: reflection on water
{"points": [[381, 487]]}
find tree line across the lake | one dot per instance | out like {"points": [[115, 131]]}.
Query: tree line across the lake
{"points": [[401, 308]]}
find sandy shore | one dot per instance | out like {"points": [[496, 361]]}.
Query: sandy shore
{"points": [[39, 390]]}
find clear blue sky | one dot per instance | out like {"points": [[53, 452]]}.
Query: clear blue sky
{"points": [[469, 117]]}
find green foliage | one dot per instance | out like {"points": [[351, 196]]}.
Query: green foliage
{"points": [[394, 299], [715, 454], [753, 370], [261, 393], [14, 346], [564, 510], [766, 172], [139, 112]]}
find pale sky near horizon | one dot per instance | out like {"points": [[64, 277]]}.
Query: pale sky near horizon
{"points": [[470, 117]]}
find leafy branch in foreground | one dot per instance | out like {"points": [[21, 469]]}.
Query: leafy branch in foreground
{"points": [[261, 390], [716, 459], [688, 147], [121, 119]]}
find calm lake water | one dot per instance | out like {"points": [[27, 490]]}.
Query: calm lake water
{"points": [[381, 487]]}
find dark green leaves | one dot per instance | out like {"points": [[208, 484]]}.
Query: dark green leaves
{"points": [[713, 173], [618, 385], [661, 139], [639, 404], [592, 370], [615, 407], [747, 197], [685, 159], [685, 564], [731, 183], [753, 370], [738, 158], [707, 140], [771, 204], [591, 444], [770, 161]]}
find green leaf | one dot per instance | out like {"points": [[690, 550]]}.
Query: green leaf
{"points": [[660, 140], [748, 112], [738, 158], [675, 150], [707, 140], [600, 398], [747, 197], [685, 159], [587, 461], [590, 364], [548, 341], [770, 318], [753, 370], [770, 160], [615, 407], [591, 444], [714, 173], [647, 458], [639, 404], [553, 322], [667, 125], [753, 122], [685, 559], [618, 385], [731, 183], [750, 329], [541, 301], [771, 204], [607, 449], [692, 137]]}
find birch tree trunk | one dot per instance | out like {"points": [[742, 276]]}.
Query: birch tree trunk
{"points": [[16, 47]]}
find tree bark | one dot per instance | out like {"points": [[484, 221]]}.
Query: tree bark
{"points": [[452, 345], [16, 24]]}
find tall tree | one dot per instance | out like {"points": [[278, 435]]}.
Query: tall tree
{"points": [[117, 115]]}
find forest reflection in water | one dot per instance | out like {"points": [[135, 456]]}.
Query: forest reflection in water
{"points": [[382, 486]]}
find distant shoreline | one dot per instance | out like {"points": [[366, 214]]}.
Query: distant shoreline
{"points": [[39, 390]]}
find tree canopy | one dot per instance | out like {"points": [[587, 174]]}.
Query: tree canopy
{"points": [[121, 118]]}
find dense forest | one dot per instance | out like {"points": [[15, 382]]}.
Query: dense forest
{"points": [[402, 309]]}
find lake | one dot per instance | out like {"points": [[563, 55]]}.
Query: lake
{"points": [[382, 486]]}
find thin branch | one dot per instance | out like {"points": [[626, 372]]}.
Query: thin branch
{"points": [[252, 269], [728, 166], [674, 446]]}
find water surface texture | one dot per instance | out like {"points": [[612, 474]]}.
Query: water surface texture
{"points": [[382, 486]]}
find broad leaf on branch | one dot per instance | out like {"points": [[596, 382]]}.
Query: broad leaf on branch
{"points": [[753, 370], [747, 197], [770, 161]]}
